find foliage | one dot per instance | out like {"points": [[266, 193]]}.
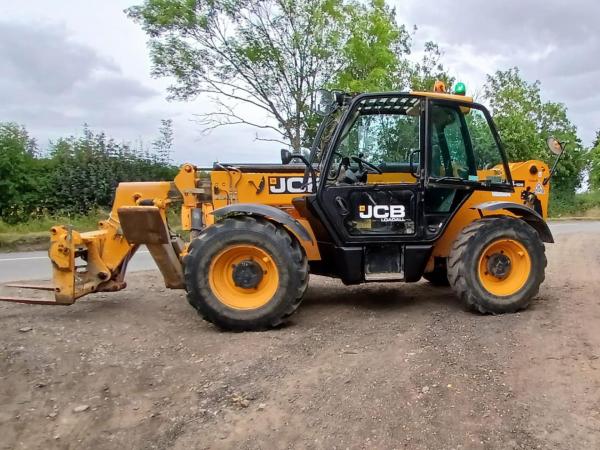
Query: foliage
{"points": [[86, 170], [17, 167], [578, 205], [525, 121], [596, 142], [430, 69], [273, 55], [77, 176], [594, 164], [374, 51]]}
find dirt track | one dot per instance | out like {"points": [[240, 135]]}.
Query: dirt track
{"points": [[376, 366]]}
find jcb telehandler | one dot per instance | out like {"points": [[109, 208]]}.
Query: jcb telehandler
{"points": [[397, 186]]}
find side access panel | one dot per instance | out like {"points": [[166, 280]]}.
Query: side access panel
{"points": [[393, 262]]}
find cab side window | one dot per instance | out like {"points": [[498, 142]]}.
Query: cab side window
{"points": [[449, 152], [462, 143]]}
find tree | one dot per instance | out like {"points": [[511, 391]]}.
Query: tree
{"points": [[594, 164], [374, 54], [17, 169], [271, 55], [525, 122], [163, 146], [424, 74]]}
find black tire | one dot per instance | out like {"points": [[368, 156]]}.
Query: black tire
{"points": [[438, 277], [286, 253], [463, 264]]}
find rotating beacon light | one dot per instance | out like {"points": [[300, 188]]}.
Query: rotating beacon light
{"points": [[460, 88]]}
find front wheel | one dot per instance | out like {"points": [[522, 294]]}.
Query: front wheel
{"points": [[496, 265], [245, 274]]}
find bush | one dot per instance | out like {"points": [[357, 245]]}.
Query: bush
{"points": [[76, 177], [574, 205], [17, 164]]}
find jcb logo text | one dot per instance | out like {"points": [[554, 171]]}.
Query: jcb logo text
{"points": [[385, 213], [289, 185]]}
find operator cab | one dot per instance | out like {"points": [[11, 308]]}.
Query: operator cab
{"points": [[392, 168], [394, 158]]}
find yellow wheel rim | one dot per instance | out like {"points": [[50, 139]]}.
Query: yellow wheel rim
{"points": [[223, 283], [504, 267]]}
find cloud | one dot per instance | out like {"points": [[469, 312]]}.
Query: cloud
{"points": [[43, 58], [66, 63], [551, 41], [51, 83]]}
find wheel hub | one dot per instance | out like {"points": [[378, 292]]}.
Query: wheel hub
{"points": [[499, 265], [247, 274]]}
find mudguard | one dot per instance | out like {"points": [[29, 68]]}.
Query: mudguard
{"points": [[524, 213], [268, 212]]}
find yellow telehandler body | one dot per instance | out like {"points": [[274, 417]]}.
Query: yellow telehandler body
{"points": [[397, 186]]}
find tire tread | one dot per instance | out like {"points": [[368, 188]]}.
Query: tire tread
{"points": [[458, 272], [259, 227]]}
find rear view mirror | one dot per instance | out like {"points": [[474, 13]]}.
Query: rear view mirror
{"points": [[327, 101], [286, 156], [558, 148], [555, 145], [323, 102]]}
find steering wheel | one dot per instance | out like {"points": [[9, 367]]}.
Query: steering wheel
{"points": [[361, 162]]}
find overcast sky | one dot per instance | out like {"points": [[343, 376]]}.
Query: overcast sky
{"points": [[66, 62]]}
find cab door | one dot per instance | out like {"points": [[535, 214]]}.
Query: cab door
{"points": [[371, 188], [464, 156]]}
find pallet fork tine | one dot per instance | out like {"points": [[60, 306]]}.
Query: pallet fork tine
{"points": [[31, 301], [33, 287]]}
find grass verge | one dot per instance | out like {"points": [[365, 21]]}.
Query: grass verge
{"points": [[34, 234], [585, 205]]}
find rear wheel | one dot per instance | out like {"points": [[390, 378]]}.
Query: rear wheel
{"points": [[496, 265], [245, 274]]}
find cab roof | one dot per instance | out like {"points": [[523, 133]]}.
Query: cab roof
{"points": [[443, 96]]}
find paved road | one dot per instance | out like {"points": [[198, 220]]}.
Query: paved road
{"points": [[578, 226], [35, 265]]}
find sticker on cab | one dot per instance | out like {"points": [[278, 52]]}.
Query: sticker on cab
{"points": [[539, 189]]}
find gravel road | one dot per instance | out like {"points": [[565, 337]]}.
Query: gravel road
{"points": [[376, 366]]}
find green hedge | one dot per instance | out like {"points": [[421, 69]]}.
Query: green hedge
{"points": [[76, 176], [577, 205]]}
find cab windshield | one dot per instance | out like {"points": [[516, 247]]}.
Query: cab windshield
{"points": [[384, 131]]}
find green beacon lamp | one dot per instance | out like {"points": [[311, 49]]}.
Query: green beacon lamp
{"points": [[460, 89]]}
